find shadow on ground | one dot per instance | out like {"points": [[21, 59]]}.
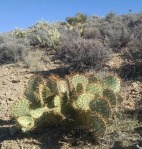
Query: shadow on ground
{"points": [[48, 138], [131, 71]]}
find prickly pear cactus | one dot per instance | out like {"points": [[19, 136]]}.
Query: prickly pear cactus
{"points": [[32, 89], [21, 108], [111, 96], [26, 123], [78, 82], [37, 113], [81, 100], [101, 106], [111, 82], [95, 89]]}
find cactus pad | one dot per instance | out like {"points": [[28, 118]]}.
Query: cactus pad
{"points": [[43, 93], [33, 82], [63, 86], [52, 85], [21, 108], [98, 124], [26, 122], [57, 101], [101, 106], [82, 103], [58, 105], [32, 88], [37, 113], [76, 79], [111, 97], [112, 83], [95, 89]]}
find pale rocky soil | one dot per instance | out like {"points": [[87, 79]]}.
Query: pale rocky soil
{"points": [[13, 80]]}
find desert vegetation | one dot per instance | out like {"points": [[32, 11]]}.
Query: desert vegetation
{"points": [[86, 82]]}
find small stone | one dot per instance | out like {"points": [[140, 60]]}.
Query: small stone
{"points": [[15, 81]]}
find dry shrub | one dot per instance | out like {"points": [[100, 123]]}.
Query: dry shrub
{"points": [[92, 33], [83, 53], [36, 60], [12, 49]]}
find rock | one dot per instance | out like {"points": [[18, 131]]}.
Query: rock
{"points": [[15, 81]]}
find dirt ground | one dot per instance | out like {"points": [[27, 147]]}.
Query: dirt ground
{"points": [[13, 80]]}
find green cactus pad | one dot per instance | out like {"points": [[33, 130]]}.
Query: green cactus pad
{"points": [[95, 89], [92, 121], [112, 82], [31, 92], [26, 122], [58, 105], [52, 85], [82, 103], [34, 82], [37, 113], [63, 86], [66, 108], [111, 97], [20, 108], [79, 79], [43, 93], [30, 95], [57, 101], [98, 124], [101, 106]]}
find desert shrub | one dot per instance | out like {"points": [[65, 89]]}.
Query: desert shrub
{"points": [[78, 18], [67, 34], [92, 33], [33, 39], [12, 49], [19, 33], [116, 35], [134, 52], [93, 21], [110, 17], [44, 36], [36, 59], [81, 52], [77, 22], [119, 39]]}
